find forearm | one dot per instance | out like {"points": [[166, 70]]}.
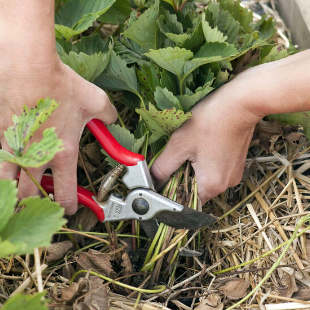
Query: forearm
{"points": [[27, 30], [278, 87]]}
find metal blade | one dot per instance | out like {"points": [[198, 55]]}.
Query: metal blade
{"points": [[188, 219]]}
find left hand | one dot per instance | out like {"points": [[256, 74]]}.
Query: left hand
{"points": [[215, 140]]}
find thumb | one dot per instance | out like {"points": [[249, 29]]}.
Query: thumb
{"points": [[173, 156]]}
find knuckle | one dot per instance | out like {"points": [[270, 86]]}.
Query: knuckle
{"points": [[68, 153], [68, 203], [212, 187], [159, 173], [235, 180]]}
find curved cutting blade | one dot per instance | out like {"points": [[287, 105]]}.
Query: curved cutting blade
{"points": [[188, 218]]}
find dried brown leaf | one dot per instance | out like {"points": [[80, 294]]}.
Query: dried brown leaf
{"points": [[289, 286], [126, 263], [302, 294], [96, 299], [294, 137], [212, 302], [68, 293], [92, 153], [84, 219], [58, 250], [89, 167], [235, 288], [96, 261], [267, 132]]}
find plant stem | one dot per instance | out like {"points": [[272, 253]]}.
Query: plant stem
{"points": [[174, 243], [121, 121], [36, 183], [155, 157], [160, 288], [38, 269]]}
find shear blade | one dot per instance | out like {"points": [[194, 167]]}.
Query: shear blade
{"points": [[188, 219]]}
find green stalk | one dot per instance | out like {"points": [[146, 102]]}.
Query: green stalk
{"points": [[155, 157], [176, 253], [174, 243], [160, 288], [172, 276], [36, 183], [150, 265], [121, 120], [153, 244]]}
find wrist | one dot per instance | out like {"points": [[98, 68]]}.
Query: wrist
{"points": [[277, 87], [27, 31]]}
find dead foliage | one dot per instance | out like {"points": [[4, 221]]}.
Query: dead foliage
{"points": [[113, 267]]}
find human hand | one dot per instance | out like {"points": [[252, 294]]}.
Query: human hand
{"points": [[79, 101], [215, 140]]}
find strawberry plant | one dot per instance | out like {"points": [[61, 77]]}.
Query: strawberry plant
{"points": [[39, 219], [158, 61]]}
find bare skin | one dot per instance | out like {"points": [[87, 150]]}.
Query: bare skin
{"points": [[30, 70], [217, 138]]}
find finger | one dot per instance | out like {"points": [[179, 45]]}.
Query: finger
{"points": [[98, 105], [173, 156], [8, 170], [26, 187], [210, 181], [65, 180]]}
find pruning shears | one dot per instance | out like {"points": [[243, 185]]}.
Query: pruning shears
{"points": [[142, 202]]}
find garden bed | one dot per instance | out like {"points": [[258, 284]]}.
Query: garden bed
{"points": [[254, 258]]}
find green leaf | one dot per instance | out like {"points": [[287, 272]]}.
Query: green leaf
{"points": [[38, 154], [266, 28], [87, 66], [144, 30], [25, 125], [275, 53], [166, 99], [168, 23], [118, 76], [240, 14], [76, 16], [173, 29], [211, 34], [92, 44], [149, 78], [188, 101], [26, 302], [6, 156], [118, 13], [130, 51], [126, 138], [162, 123], [171, 59], [33, 226], [195, 39], [209, 53], [8, 194], [169, 2], [224, 21]]}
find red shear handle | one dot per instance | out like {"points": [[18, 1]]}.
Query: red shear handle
{"points": [[85, 197], [111, 146]]}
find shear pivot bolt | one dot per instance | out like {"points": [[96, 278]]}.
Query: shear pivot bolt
{"points": [[140, 206]]}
